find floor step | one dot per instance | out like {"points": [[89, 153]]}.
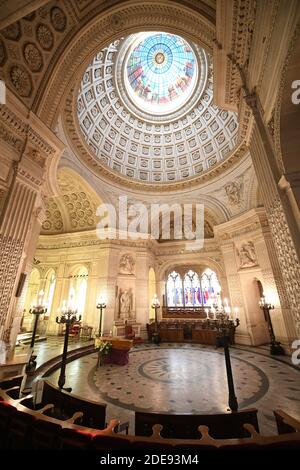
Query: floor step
{"points": [[38, 339]]}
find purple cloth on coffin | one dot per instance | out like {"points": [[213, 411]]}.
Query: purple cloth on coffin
{"points": [[117, 356]]}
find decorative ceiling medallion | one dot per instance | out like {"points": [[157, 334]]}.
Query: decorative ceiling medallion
{"points": [[44, 36], [58, 19], [33, 57], [116, 22], [21, 80]]}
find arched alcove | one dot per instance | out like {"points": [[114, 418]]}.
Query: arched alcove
{"points": [[151, 291], [78, 288], [33, 288]]}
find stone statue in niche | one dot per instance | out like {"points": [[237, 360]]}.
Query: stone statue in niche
{"points": [[247, 255], [234, 192], [126, 264], [126, 304]]}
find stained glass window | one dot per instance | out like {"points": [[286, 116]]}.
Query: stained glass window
{"points": [[174, 290], [192, 290], [211, 288], [161, 72]]}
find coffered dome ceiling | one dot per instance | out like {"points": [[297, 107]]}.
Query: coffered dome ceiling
{"points": [[145, 110]]}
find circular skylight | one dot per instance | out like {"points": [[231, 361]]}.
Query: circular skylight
{"points": [[160, 72], [142, 145]]}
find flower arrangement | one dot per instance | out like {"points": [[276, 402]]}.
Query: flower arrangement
{"points": [[103, 347]]}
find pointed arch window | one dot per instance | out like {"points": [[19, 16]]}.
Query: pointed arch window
{"points": [[192, 289], [174, 290], [211, 288]]}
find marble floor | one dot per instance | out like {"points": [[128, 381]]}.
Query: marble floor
{"points": [[188, 378], [53, 347]]}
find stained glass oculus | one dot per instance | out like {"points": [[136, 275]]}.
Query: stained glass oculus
{"points": [[161, 72]]}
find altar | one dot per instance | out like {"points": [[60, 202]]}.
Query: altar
{"points": [[119, 354]]}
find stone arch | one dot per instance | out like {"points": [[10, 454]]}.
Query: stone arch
{"points": [[33, 288], [189, 261], [75, 207]]}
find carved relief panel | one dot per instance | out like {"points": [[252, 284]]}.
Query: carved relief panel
{"points": [[247, 255]]}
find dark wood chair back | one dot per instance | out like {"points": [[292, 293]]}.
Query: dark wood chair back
{"points": [[221, 426], [66, 404]]}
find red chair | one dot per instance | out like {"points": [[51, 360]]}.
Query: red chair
{"points": [[75, 331], [129, 331]]}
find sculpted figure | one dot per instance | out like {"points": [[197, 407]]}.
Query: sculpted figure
{"points": [[126, 264], [247, 255], [233, 191], [125, 304]]}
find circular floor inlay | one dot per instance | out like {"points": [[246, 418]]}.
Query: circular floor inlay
{"points": [[188, 380]]}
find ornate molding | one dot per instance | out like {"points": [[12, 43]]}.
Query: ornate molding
{"points": [[98, 33], [281, 89], [233, 40]]}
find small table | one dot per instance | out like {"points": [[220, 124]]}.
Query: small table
{"points": [[119, 354]]}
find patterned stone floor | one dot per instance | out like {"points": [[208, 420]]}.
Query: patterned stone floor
{"points": [[46, 350], [187, 378]]}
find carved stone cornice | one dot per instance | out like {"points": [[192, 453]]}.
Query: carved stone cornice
{"points": [[235, 26], [11, 139], [254, 221], [32, 142], [89, 239]]}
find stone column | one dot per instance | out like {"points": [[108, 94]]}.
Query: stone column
{"points": [[278, 214], [29, 156], [26, 264], [141, 288], [244, 333], [15, 222]]}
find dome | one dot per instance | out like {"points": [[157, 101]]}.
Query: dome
{"points": [[133, 122], [160, 72]]}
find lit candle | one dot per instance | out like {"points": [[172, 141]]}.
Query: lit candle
{"points": [[227, 310], [213, 311], [71, 303], [40, 298], [236, 311]]}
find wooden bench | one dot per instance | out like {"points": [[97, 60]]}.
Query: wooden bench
{"points": [[43, 432], [66, 404], [184, 426]]}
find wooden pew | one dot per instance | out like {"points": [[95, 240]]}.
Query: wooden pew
{"points": [[66, 404], [221, 425], [79, 437]]}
